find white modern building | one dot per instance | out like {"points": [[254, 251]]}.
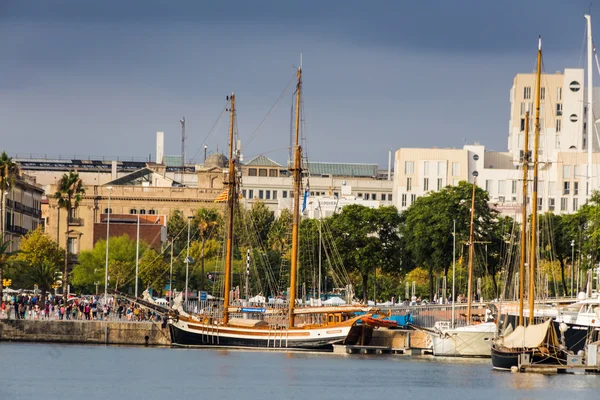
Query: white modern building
{"points": [[563, 153]]}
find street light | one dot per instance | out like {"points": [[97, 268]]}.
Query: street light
{"points": [[109, 188], [187, 260]]}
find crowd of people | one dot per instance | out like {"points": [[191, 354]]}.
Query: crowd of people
{"points": [[88, 308]]}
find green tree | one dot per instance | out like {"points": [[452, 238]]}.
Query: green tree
{"points": [[177, 226], [260, 218], [279, 235], [40, 260], [69, 193], [153, 269], [207, 222], [428, 224], [121, 263], [9, 172], [367, 239], [6, 261]]}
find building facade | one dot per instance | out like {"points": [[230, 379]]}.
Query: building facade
{"points": [[22, 210]]}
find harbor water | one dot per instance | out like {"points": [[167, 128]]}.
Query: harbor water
{"points": [[74, 372]]}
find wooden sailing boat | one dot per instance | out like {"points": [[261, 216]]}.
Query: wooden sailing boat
{"points": [[537, 343], [229, 328], [470, 340]]}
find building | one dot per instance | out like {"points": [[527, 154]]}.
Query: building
{"points": [[22, 210], [563, 156]]}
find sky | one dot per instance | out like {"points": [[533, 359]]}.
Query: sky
{"points": [[98, 79]]}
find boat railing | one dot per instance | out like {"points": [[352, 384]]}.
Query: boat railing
{"points": [[426, 316]]}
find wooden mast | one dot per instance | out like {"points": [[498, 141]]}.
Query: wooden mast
{"points": [[534, 204], [471, 245], [297, 176], [524, 222], [231, 194]]}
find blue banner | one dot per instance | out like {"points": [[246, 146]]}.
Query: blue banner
{"points": [[304, 202], [254, 310]]}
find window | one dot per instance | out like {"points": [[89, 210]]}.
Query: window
{"points": [[440, 169], [408, 184], [383, 196], [488, 186], [152, 212], [426, 168], [360, 195], [413, 197], [108, 211], [522, 128], [551, 204], [540, 203], [389, 197], [367, 196], [501, 187], [268, 194], [425, 184], [551, 188], [72, 245], [558, 109], [335, 194], [566, 172], [513, 188], [273, 172], [261, 194], [455, 169], [274, 194], [563, 204], [252, 172], [250, 194], [558, 125], [373, 196], [542, 93], [566, 187], [143, 212], [284, 194], [527, 92], [522, 108], [403, 200], [575, 189], [559, 93], [575, 204], [133, 211], [409, 167], [501, 199], [574, 86], [262, 172], [244, 193], [439, 185]]}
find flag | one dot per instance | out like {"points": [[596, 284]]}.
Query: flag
{"points": [[306, 191], [223, 196]]}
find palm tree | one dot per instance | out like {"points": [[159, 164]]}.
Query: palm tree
{"points": [[9, 171], [207, 221], [69, 194], [5, 261]]}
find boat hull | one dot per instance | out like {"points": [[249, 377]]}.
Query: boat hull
{"points": [[462, 344], [505, 359], [184, 333]]}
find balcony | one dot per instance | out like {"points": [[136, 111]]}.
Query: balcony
{"points": [[75, 221]]}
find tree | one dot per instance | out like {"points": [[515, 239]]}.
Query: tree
{"points": [[69, 193], [428, 224], [177, 226], [121, 263], [40, 260], [6, 261], [207, 220], [260, 219], [366, 239], [152, 269], [9, 172], [279, 235]]}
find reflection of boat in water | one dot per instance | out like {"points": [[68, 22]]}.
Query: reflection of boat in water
{"points": [[279, 327]]}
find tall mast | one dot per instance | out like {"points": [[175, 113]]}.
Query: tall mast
{"points": [[534, 201], [471, 245], [590, 113], [231, 195], [297, 174], [524, 221]]}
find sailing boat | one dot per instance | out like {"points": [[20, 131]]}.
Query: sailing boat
{"points": [[228, 327], [473, 340], [537, 343]]}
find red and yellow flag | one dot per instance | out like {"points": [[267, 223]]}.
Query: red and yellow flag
{"points": [[223, 196]]}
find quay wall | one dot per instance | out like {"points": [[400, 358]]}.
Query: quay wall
{"points": [[96, 332]]}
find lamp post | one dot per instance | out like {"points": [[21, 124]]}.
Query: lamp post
{"points": [[109, 188], [171, 276], [572, 263], [137, 255], [187, 261], [205, 148]]}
